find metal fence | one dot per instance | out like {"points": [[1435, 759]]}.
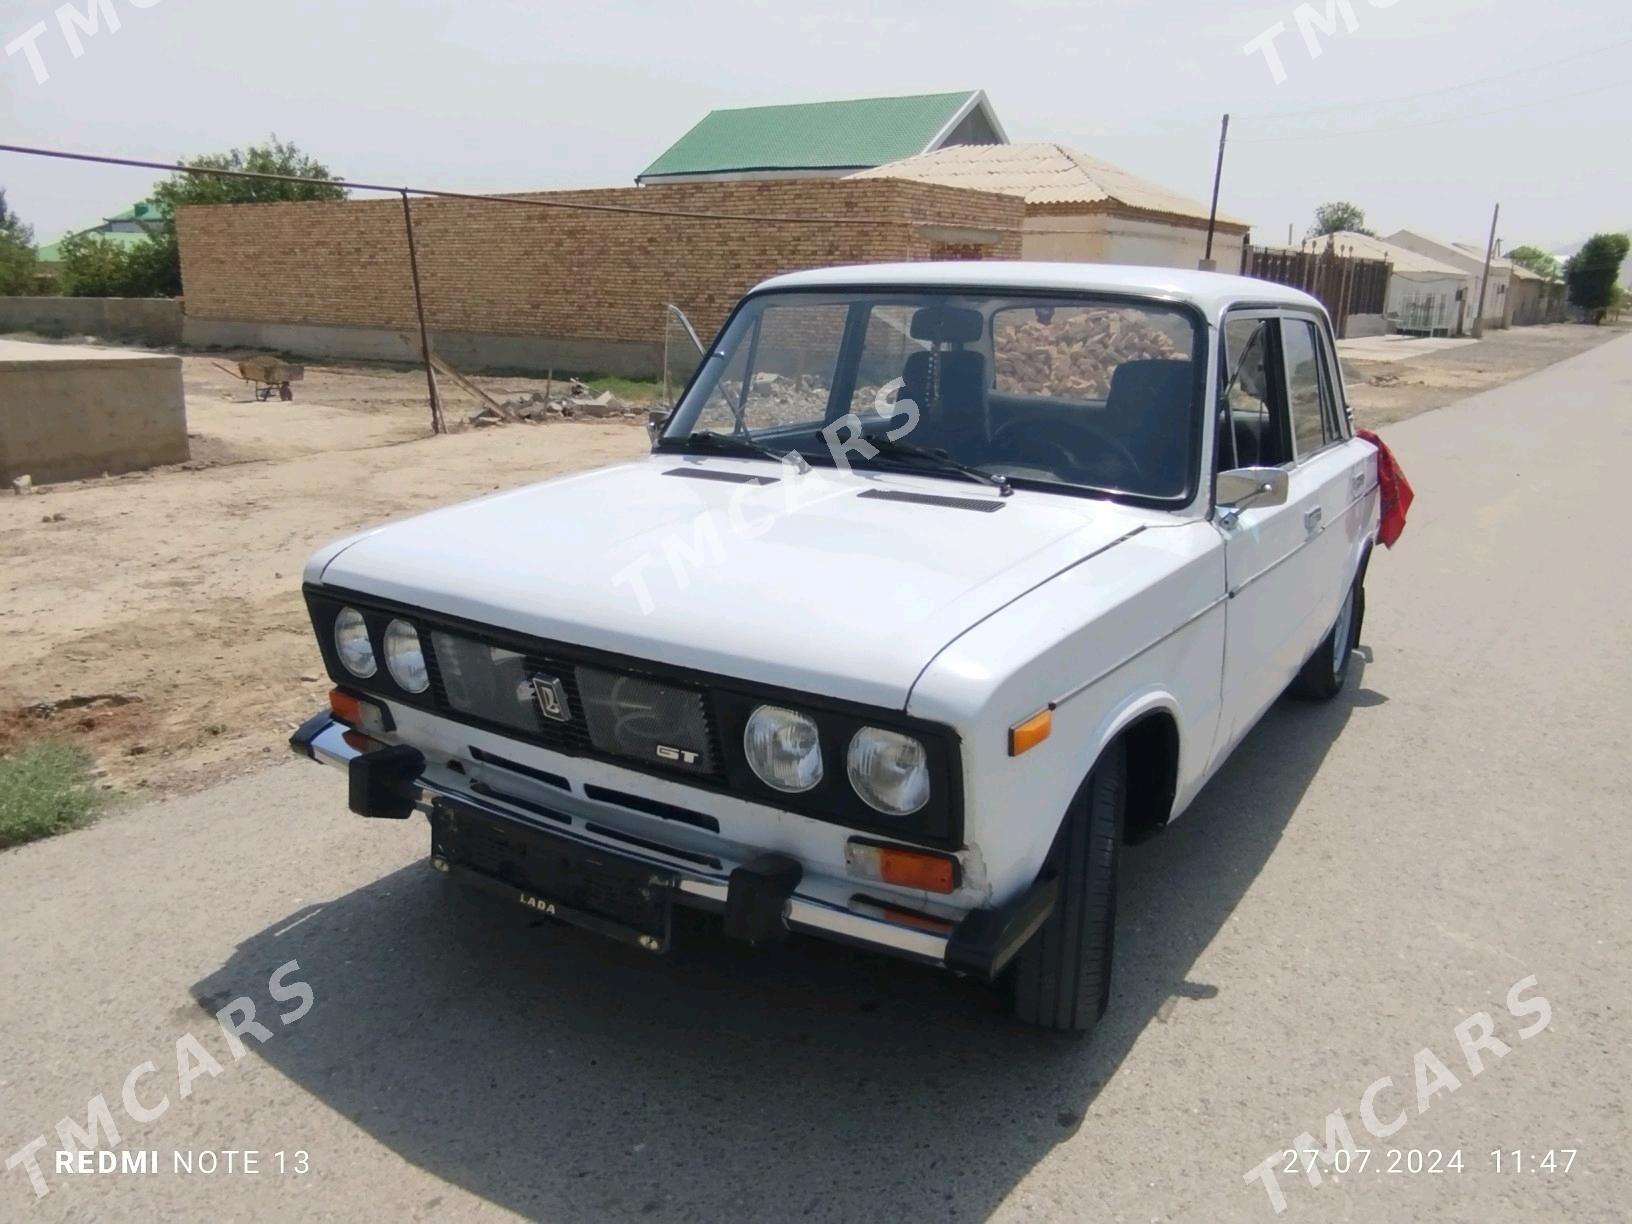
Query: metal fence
{"points": [[1345, 284]]}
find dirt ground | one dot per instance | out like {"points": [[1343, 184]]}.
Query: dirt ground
{"points": [[160, 612], [1382, 393], [156, 618]]}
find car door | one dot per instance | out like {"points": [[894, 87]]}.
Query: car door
{"points": [[1333, 467], [1274, 575]]}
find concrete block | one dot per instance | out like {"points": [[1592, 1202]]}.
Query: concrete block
{"points": [[67, 413]]}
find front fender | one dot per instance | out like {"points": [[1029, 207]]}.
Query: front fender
{"points": [[1137, 629]]}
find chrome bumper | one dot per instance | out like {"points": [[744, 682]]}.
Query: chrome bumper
{"points": [[982, 944]]}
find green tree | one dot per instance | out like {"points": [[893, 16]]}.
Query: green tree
{"points": [[1537, 260], [94, 265], [16, 252], [153, 268], [1339, 216], [278, 157], [1592, 272]]}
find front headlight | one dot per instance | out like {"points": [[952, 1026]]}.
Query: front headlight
{"points": [[890, 771], [405, 657], [352, 645], [784, 749]]}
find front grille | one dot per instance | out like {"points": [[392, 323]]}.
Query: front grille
{"points": [[595, 712], [637, 718]]}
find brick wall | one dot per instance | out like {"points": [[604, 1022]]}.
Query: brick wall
{"points": [[503, 268]]}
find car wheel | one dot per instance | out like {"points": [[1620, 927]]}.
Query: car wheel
{"points": [[1061, 979], [1323, 676]]}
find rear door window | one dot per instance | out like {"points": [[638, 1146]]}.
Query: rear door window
{"points": [[1309, 397]]}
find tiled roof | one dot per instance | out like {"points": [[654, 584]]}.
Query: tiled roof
{"points": [[1045, 174], [1366, 246]]}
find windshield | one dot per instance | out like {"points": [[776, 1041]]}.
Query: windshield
{"points": [[1086, 394]]}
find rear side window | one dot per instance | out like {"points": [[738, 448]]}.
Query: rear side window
{"points": [[1308, 391], [1252, 421]]}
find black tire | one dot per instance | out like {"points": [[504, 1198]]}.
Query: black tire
{"points": [[1061, 979], [1327, 670]]}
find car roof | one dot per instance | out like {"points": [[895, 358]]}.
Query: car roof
{"points": [[1213, 292]]}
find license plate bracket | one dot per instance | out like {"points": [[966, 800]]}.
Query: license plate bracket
{"points": [[585, 886]]}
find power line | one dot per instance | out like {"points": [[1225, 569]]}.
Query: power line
{"points": [[1362, 103], [1328, 134], [432, 193]]}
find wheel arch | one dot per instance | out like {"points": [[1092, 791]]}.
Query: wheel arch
{"points": [[1152, 742], [1149, 728]]}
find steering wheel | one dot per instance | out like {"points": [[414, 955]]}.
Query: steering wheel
{"points": [[1010, 442]]}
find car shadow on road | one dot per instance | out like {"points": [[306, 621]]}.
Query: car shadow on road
{"points": [[556, 1074]]}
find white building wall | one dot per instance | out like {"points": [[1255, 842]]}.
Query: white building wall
{"points": [[1102, 238], [1495, 312], [1426, 303]]}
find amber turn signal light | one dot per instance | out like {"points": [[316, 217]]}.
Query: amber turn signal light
{"points": [[922, 869], [357, 713], [1025, 736]]}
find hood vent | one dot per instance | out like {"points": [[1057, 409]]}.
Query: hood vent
{"points": [[723, 477], [934, 499]]}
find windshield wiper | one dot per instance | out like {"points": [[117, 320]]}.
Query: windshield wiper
{"points": [[905, 450], [740, 444]]}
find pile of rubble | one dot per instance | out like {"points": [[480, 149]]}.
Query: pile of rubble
{"points": [[536, 407], [1073, 354], [777, 399]]}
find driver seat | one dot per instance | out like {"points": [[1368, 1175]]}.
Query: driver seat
{"points": [[1148, 411], [949, 387]]}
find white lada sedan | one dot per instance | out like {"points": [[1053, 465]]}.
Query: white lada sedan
{"points": [[941, 582]]}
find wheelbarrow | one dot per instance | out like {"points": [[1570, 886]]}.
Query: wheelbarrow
{"points": [[269, 376]]}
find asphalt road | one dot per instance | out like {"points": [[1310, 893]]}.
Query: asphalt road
{"points": [[1361, 879]]}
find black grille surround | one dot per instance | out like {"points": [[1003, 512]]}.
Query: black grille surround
{"points": [[575, 734], [726, 704]]}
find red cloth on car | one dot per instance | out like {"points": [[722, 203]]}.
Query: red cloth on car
{"points": [[1394, 488]]}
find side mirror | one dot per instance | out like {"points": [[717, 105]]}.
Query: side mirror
{"points": [[1243, 488], [656, 418]]}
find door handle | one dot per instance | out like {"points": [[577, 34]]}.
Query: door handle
{"points": [[1311, 519], [1358, 481]]}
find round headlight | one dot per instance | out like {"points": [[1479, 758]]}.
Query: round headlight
{"points": [[890, 771], [405, 658], [352, 645], [784, 749]]}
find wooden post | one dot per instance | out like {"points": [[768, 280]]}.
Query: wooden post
{"points": [[437, 423], [1207, 264], [1484, 283]]}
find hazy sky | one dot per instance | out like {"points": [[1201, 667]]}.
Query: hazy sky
{"points": [[502, 94]]}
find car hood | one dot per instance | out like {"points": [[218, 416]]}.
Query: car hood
{"points": [[812, 582]]}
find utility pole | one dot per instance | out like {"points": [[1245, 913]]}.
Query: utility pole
{"points": [[1207, 264], [1484, 282]]}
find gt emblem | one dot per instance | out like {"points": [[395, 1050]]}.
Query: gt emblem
{"points": [[552, 698], [676, 754]]}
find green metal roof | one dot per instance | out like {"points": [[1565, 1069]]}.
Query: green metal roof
{"points": [[855, 134], [150, 212]]}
